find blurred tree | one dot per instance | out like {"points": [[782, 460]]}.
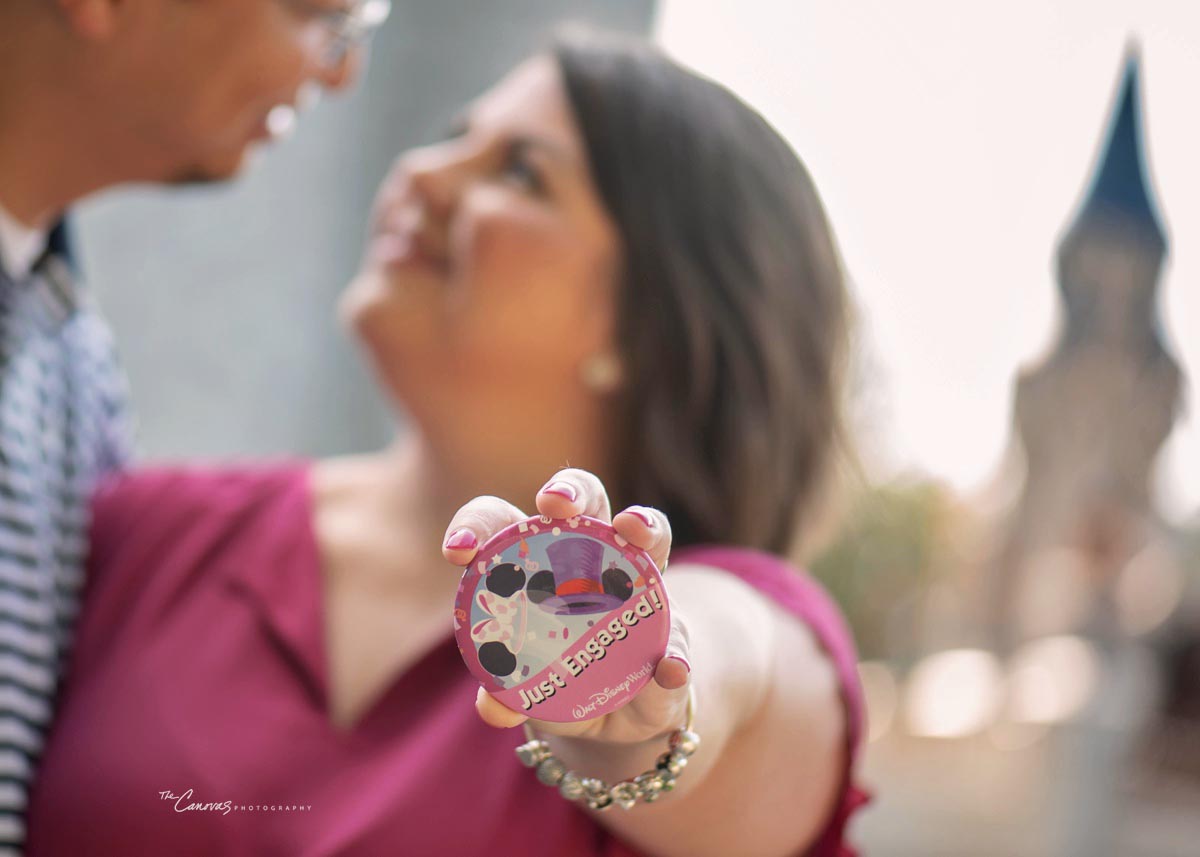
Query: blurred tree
{"points": [[894, 546]]}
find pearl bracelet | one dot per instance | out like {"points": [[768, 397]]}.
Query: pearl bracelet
{"points": [[597, 794]]}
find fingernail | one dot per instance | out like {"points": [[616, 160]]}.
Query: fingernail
{"points": [[461, 540], [686, 663], [645, 517], [562, 489]]}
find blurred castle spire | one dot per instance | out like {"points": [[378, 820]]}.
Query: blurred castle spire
{"points": [[1121, 189], [1117, 226], [1091, 416]]}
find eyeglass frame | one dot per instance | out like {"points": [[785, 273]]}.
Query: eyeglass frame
{"points": [[345, 28]]}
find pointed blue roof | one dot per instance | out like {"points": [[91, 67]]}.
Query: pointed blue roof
{"points": [[1121, 185]]}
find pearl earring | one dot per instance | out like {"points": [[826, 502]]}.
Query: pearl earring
{"points": [[601, 373]]}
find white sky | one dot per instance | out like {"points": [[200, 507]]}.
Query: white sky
{"points": [[951, 142]]}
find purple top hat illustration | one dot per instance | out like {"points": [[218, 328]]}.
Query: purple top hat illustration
{"points": [[575, 584]]}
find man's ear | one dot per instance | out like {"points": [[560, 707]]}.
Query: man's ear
{"points": [[94, 20]]}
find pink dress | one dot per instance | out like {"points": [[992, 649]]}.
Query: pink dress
{"points": [[197, 680]]}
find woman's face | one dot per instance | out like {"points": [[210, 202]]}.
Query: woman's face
{"points": [[491, 262]]}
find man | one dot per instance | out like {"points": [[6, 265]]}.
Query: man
{"points": [[95, 93]]}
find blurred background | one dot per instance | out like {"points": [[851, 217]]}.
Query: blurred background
{"points": [[1016, 194]]}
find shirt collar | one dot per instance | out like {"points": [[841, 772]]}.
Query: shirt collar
{"points": [[20, 245]]}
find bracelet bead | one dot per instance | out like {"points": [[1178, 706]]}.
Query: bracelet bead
{"points": [[531, 753], [624, 794], [551, 771], [596, 794], [649, 786], [571, 786], [684, 741], [671, 764]]}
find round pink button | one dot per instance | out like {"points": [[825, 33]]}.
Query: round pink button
{"points": [[561, 619]]}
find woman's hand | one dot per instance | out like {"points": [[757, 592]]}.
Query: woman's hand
{"points": [[660, 706]]}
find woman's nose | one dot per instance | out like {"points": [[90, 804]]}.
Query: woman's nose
{"points": [[437, 176]]}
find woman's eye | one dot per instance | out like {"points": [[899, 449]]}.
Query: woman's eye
{"points": [[521, 172]]}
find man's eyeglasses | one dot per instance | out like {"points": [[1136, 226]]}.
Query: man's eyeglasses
{"points": [[345, 28]]}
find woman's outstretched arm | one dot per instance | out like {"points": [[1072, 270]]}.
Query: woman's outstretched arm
{"points": [[772, 726]]}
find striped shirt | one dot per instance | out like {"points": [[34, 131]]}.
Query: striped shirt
{"points": [[63, 423]]}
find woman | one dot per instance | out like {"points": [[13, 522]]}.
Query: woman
{"points": [[613, 264]]}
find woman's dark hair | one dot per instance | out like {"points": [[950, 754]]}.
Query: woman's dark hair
{"points": [[732, 314]]}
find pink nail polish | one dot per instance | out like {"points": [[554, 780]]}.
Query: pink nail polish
{"points": [[644, 517], [562, 489], [686, 664], [461, 540]]}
